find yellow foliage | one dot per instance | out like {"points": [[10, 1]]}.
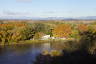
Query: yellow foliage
{"points": [[55, 53], [83, 27], [38, 35], [62, 30], [45, 52]]}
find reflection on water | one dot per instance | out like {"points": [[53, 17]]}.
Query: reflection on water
{"points": [[46, 46], [23, 54]]}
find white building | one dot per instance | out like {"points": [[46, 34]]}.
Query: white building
{"points": [[45, 37]]}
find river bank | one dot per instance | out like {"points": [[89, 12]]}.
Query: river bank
{"points": [[32, 42]]}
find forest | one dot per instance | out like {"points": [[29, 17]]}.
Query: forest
{"points": [[76, 38], [83, 33]]}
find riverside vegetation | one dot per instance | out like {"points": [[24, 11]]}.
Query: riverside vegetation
{"points": [[80, 36], [15, 32]]}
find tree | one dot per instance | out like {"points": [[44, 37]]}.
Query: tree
{"points": [[38, 35], [62, 30], [27, 32], [16, 36], [88, 39], [15, 32], [6, 31], [82, 27], [40, 27]]}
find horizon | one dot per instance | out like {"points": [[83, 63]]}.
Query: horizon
{"points": [[47, 8]]}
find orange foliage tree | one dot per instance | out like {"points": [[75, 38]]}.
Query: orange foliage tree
{"points": [[62, 30], [83, 27], [14, 32], [38, 35]]}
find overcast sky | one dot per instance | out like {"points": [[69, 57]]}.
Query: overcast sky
{"points": [[47, 8]]}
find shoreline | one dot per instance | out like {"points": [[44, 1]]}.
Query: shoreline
{"points": [[27, 42]]}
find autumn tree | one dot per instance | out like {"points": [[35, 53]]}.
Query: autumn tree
{"points": [[40, 27], [6, 31], [15, 31], [38, 35], [16, 36], [62, 30], [88, 38], [82, 27], [27, 32]]}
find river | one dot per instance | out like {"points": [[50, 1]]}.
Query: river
{"points": [[24, 54]]}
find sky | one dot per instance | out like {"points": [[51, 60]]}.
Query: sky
{"points": [[47, 8]]}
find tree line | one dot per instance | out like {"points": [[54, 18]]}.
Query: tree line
{"points": [[19, 31]]}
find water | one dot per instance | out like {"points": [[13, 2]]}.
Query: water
{"points": [[22, 54]]}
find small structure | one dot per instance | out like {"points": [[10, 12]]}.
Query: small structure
{"points": [[52, 37], [45, 37]]}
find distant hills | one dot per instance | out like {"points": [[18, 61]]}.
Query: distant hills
{"points": [[88, 18], [48, 18]]}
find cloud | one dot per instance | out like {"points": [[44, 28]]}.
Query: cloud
{"points": [[24, 0], [50, 12], [10, 13], [14, 13]]}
